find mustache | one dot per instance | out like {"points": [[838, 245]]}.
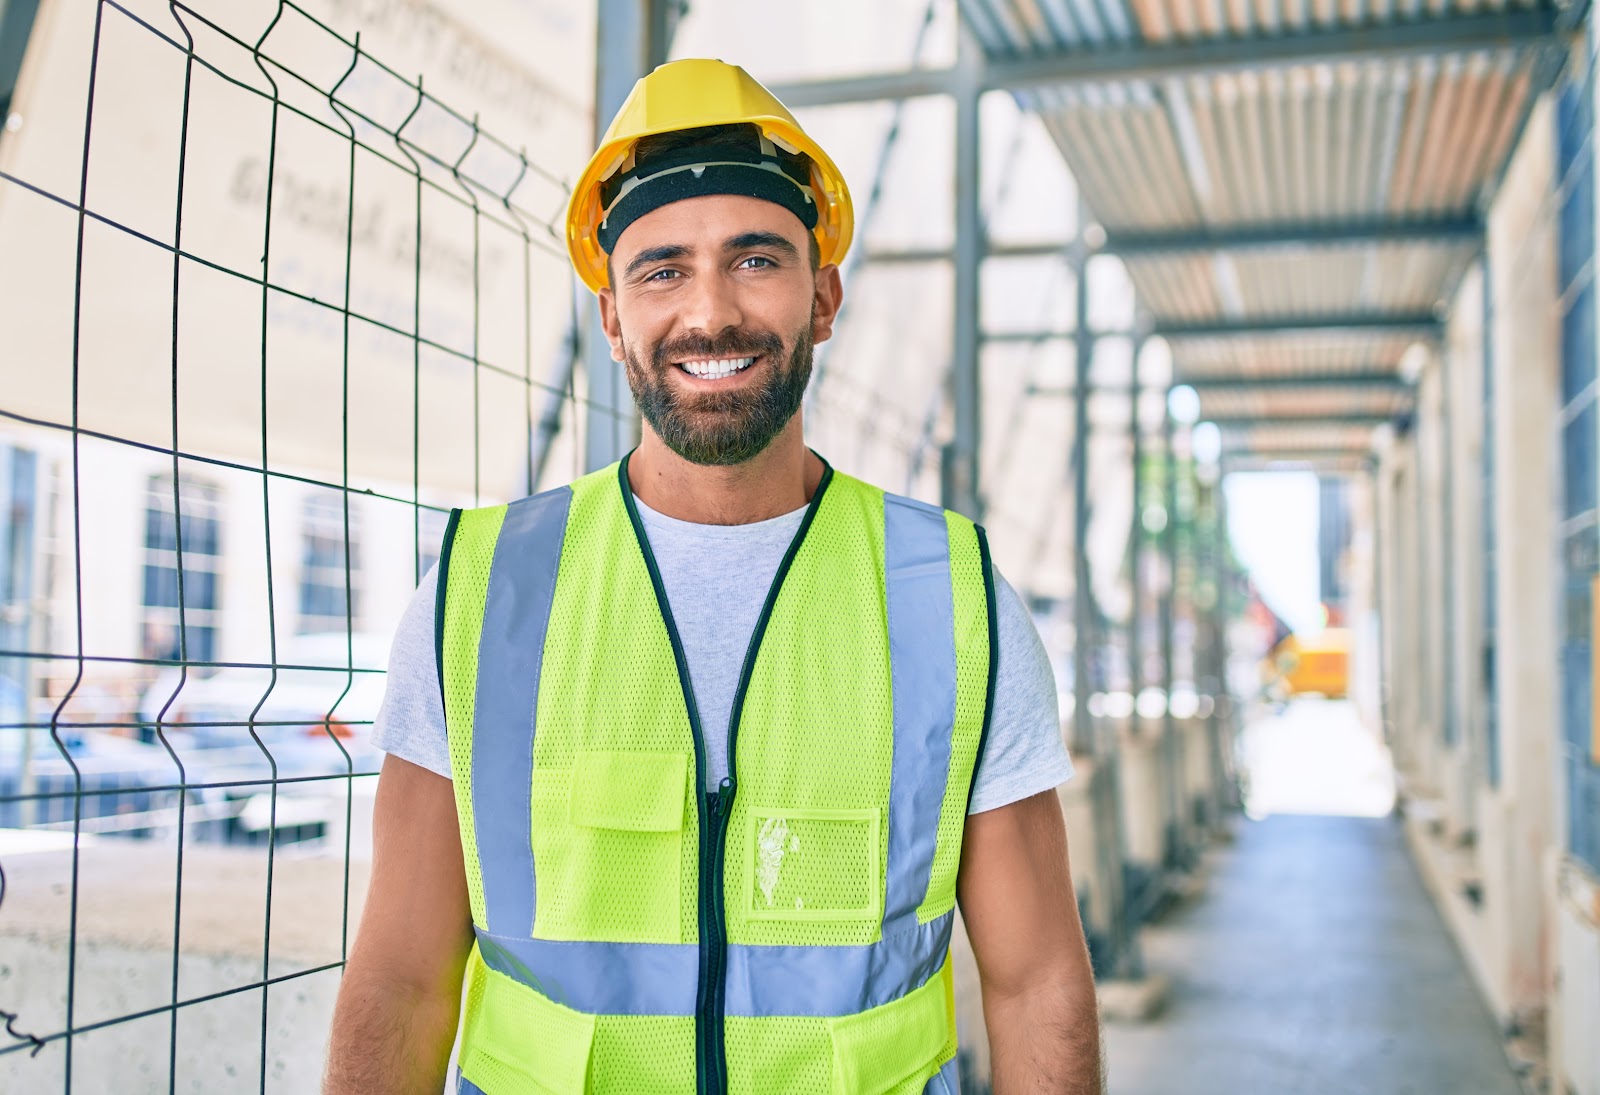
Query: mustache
{"points": [[735, 341]]}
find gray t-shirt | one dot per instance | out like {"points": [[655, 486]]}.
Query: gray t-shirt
{"points": [[717, 578]]}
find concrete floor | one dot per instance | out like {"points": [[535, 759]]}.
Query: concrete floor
{"points": [[1313, 963]]}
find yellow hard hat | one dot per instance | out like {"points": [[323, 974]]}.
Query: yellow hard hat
{"points": [[692, 94]]}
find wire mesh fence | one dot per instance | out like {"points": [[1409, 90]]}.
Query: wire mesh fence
{"points": [[272, 308]]}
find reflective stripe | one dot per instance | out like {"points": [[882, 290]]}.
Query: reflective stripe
{"points": [[922, 657], [661, 978], [947, 1081], [522, 582]]}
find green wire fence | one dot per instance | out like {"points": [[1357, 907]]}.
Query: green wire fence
{"points": [[213, 770]]}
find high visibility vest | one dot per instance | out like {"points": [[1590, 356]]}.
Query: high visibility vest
{"points": [[638, 931]]}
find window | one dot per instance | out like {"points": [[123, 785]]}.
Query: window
{"points": [[189, 634], [323, 571]]}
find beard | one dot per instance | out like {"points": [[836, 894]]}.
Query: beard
{"points": [[721, 429]]}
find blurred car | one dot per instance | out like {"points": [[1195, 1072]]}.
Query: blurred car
{"points": [[108, 774], [301, 729]]}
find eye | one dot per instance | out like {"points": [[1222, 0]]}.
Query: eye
{"points": [[762, 259], [663, 275]]}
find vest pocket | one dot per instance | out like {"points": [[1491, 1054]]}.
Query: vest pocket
{"points": [[814, 865], [517, 1042], [897, 1048], [608, 847]]}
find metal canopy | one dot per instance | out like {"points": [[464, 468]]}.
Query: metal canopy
{"points": [[1296, 188], [1069, 57]]}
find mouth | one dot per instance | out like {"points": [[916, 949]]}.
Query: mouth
{"points": [[717, 368]]}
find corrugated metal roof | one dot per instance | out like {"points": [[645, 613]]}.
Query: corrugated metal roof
{"points": [[1398, 138], [1009, 28], [1286, 354], [1298, 439], [1303, 402], [1288, 149]]}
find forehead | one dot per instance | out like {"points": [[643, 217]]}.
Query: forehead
{"points": [[704, 223]]}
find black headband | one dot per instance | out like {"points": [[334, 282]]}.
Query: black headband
{"points": [[696, 172]]}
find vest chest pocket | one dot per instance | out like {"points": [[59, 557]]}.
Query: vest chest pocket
{"points": [[814, 865], [608, 847]]}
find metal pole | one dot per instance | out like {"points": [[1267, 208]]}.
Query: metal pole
{"points": [[1135, 544], [1169, 731], [960, 482], [631, 38], [1082, 581], [1223, 703]]}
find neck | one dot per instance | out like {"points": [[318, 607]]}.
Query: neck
{"points": [[780, 480]]}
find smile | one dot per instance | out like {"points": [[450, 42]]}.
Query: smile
{"points": [[716, 369]]}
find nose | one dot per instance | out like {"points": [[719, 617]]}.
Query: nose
{"points": [[711, 306]]}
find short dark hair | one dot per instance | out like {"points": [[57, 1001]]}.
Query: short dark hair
{"points": [[734, 135]]}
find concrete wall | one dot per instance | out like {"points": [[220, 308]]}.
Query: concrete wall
{"points": [[1526, 916]]}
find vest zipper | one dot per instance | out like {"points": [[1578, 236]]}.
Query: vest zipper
{"points": [[714, 943], [715, 807]]}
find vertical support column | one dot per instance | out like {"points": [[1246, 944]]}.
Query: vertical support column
{"points": [[959, 483], [631, 38], [1172, 760], [1083, 614], [1136, 537], [1222, 710]]}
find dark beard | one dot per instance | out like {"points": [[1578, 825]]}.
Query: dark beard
{"points": [[720, 429]]}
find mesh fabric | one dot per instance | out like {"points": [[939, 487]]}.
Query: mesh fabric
{"points": [[643, 1055], [609, 685], [816, 732], [897, 1048], [517, 1042], [971, 611], [466, 590]]}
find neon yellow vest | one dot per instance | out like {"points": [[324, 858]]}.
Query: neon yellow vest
{"points": [[639, 932]]}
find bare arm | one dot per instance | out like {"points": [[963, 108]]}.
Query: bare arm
{"points": [[395, 1020], [1038, 987]]}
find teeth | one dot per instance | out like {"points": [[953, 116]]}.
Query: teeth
{"points": [[716, 370]]}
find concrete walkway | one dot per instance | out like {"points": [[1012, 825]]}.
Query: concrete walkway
{"points": [[1314, 963]]}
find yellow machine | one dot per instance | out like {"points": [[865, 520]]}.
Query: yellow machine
{"points": [[1318, 663]]}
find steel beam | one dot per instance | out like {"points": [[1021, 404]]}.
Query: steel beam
{"points": [[959, 479], [1272, 237], [1388, 380], [1294, 452], [1276, 237], [1025, 336], [1117, 64], [631, 38], [1281, 421], [1235, 457], [1422, 325]]}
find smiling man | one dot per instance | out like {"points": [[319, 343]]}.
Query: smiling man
{"points": [[691, 760]]}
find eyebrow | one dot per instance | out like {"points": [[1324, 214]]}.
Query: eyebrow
{"points": [[655, 254], [669, 251], [761, 239]]}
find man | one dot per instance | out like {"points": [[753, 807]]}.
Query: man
{"points": [[690, 761]]}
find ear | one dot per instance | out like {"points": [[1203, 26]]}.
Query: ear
{"points": [[827, 296], [610, 323]]}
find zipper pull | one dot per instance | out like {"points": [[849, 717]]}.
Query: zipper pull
{"points": [[721, 798]]}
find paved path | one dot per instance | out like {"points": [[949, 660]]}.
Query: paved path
{"points": [[1314, 964]]}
